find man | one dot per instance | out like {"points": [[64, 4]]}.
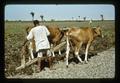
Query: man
{"points": [[90, 22], [40, 33]]}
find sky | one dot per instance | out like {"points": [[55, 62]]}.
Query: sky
{"points": [[60, 12]]}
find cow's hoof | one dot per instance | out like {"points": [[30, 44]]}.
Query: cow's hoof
{"points": [[67, 66], [58, 62], [82, 62], [86, 62], [52, 68]]}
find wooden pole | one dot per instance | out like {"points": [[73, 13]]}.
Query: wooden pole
{"points": [[59, 46], [27, 64]]}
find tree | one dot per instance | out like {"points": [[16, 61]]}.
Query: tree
{"points": [[41, 16], [102, 17], [52, 20], [72, 18], [32, 13], [79, 18], [6, 20], [84, 18]]}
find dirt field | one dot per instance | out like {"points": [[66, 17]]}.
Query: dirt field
{"points": [[15, 36], [99, 66]]}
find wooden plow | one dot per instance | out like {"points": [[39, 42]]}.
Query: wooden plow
{"points": [[36, 59]]}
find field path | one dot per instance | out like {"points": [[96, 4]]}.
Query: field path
{"points": [[100, 66]]}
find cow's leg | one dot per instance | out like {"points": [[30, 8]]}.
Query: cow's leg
{"points": [[53, 54], [60, 52], [77, 49], [77, 54], [29, 58], [67, 52], [31, 50], [31, 53], [86, 51]]}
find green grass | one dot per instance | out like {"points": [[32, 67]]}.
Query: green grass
{"points": [[18, 28], [13, 27]]}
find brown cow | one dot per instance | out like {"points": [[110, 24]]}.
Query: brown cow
{"points": [[80, 36], [55, 37]]}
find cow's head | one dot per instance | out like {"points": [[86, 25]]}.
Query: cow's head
{"points": [[98, 32], [64, 31]]}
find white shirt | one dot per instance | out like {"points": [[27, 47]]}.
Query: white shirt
{"points": [[40, 34]]}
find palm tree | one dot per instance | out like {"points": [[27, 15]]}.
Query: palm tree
{"points": [[102, 17], [72, 18], [79, 18], [84, 18], [32, 13], [41, 16]]}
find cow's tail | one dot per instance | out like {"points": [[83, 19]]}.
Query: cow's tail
{"points": [[25, 42]]}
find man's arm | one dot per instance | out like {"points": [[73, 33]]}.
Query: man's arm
{"points": [[30, 35], [47, 32]]}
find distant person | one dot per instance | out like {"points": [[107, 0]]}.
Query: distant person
{"points": [[40, 33], [90, 22]]}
